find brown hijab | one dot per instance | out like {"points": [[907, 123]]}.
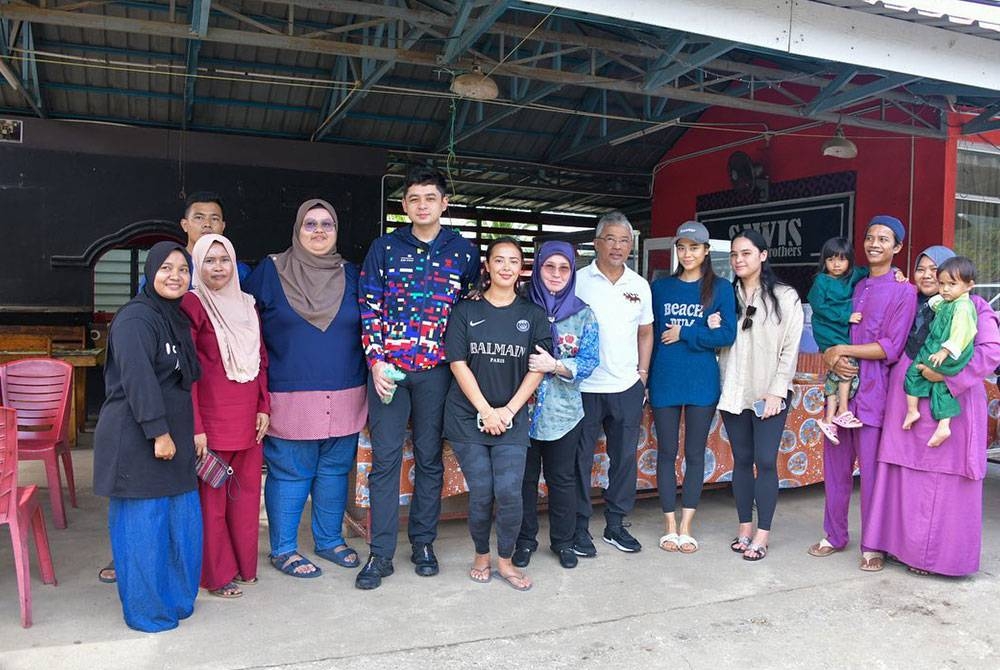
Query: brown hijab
{"points": [[313, 285]]}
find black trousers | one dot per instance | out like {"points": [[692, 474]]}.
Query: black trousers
{"points": [[419, 397], [697, 423], [755, 443], [620, 416], [558, 458]]}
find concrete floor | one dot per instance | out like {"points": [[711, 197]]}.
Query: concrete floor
{"points": [[651, 609]]}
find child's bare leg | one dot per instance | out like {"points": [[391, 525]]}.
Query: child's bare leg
{"points": [[831, 408], [843, 395], [942, 433], [912, 412]]}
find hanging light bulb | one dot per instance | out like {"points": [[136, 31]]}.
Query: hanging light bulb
{"points": [[475, 85]]}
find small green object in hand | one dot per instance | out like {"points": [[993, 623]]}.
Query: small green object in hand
{"points": [[392, 373]]}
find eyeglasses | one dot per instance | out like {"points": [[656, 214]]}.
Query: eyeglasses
{"points": [[616, 241], [748, 321], [312, 226]]}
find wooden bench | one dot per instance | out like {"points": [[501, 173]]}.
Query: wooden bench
{"points": [[62, 337]]}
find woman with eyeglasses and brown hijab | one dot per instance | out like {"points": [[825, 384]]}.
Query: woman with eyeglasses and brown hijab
{"points": [[757, 372], [317, 376]]}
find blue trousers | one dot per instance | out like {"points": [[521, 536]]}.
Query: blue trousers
{"points": [[297, 469], [156, 544]]}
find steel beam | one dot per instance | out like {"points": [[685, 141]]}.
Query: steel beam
{"points": [[834, 87], [199, 12], [984, 122], [461, 19], [486, 18], [687, 62], [870, 90], [358, 93]]}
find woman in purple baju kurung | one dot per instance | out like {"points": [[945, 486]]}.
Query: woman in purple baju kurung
{"points": [[928, 501]]}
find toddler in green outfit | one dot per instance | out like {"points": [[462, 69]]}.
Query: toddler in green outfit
{"points": [[947, 349]]}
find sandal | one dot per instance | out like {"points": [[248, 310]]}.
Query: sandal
{"points": [[481, 575], [823, 548], [759, 549], [830, 430], [740, 544], [230, 590], [343, 556], [847, 420], [874, 562], [509, 580], [685, 541], [107, 574], [918, 571], [287, 563], [670, 539], [239, 580]]}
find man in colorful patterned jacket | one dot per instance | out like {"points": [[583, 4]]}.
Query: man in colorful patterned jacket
{"points": [[410, 280]]}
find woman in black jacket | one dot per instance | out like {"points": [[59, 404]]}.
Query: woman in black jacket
{"points": [[144, 452]]}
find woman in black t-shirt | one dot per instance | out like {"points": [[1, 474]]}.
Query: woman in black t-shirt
{"points": [[486, 420]]}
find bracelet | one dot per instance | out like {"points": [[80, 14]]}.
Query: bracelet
{"points": [[512, 412], [555, 366]]}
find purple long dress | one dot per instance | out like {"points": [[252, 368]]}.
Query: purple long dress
{"points": [[927, 506]]}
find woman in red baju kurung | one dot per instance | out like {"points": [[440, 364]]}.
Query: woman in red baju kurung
{"points": [[231, 412]]}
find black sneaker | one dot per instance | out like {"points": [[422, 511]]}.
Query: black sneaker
{"points": [[423, 557], [583, 545], [567, 558], [621, 539], [521, 557], [371, 575]]}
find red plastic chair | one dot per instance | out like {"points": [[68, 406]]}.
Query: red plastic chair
{"points": [[20, 509], [39, 389]]}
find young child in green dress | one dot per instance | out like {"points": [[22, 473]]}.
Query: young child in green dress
{"points": [[947, 349]]}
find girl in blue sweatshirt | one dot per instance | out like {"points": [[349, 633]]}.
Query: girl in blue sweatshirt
{"points": [[694, 314]]}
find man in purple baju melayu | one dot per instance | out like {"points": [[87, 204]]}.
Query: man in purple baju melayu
{"points": [[887, 308]]}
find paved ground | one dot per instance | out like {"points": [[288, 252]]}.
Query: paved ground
{"points": [[651, 609]]}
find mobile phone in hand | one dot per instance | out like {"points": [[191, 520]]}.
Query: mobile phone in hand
{"points": [[759, 405]]}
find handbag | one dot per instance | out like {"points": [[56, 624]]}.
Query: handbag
{"points": [[213, 470]]}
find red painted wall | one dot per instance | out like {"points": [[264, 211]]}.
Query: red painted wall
{"points": [[883, 168]]}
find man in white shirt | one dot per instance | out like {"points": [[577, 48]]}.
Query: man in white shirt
{"points": [[613, 394]]}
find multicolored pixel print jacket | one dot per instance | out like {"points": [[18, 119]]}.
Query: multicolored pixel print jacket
{"points": [[407, 291]]}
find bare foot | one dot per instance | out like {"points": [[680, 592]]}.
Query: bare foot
{"points": [[911, 418], [940, 435], [512, 575], [481, 569]]}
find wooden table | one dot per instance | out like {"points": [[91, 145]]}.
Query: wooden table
{"points": [[78, 358]]}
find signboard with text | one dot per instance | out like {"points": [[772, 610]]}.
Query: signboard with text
{"points": [[795, 230]]}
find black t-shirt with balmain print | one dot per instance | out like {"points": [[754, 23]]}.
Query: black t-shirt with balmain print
{"points": [[495, 342]]}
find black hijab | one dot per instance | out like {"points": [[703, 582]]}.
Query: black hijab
{"points": [[170, 310]]}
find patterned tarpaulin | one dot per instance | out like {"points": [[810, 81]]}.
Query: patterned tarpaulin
{"points": [[800, 456]]}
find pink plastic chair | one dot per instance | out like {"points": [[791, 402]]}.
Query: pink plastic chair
{"points": [[19, 508], [39, 389]]}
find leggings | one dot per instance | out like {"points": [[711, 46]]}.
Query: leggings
{"points": [[697, 422], [755, 442], [493, 472]]}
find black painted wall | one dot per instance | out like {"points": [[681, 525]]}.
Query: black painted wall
{"points": [[69, 185]]}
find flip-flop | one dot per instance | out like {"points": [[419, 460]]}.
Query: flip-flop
{"points": [[823, 548], [282, 563], [507, 580], [228, 591], [760, 549], [685, 540], [104, 578], [872, 563], [246, 582], [668, 539], [481, 580], [340, 556]]}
